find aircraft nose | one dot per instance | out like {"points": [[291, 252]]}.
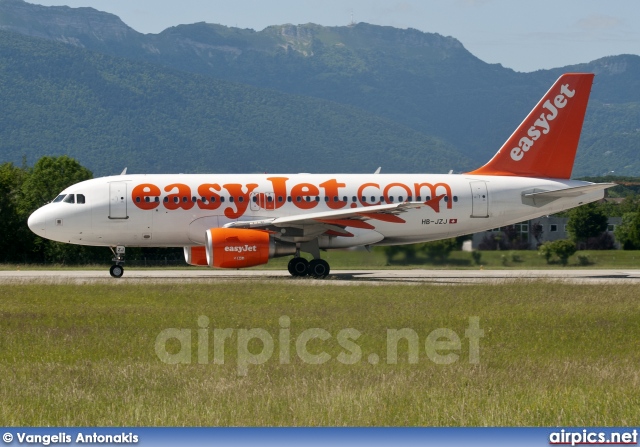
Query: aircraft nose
{"points": [[37, 222]]}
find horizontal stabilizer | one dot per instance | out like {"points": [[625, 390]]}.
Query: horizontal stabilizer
{"points": [[569, 192], [541, 198]]}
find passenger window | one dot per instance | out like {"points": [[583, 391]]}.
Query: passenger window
{"points": [[221, 199], [231, 199], [80, 198], [399, 198], [240, 199], [166, 199], [59, 198], [138, 199], [176, 199], [70, 198], [455, 198], [213, 199], [255, 199]]}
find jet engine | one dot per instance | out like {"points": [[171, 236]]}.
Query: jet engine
{"points": [[237, 248], [195, 255]]}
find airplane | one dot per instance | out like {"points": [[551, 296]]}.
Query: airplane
{"points": [[236, 221]]}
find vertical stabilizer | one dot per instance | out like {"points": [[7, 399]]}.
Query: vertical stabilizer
{"points": [[545, 144]]}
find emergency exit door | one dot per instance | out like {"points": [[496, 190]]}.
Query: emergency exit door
{"points": [[479, 199]]}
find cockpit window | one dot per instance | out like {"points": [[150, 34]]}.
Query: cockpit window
{"points": [[59, 198], [79, 198], [71, 198]]}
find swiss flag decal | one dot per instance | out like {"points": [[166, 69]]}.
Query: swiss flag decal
{"points": [[453, 221]]}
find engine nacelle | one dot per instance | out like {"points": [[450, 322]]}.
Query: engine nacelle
{"points": [[238, 248], [196, 255]]}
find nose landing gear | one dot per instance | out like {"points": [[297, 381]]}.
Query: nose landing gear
{"points": [[117, 270]]}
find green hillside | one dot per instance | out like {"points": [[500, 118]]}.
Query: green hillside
{"points": [[406, 78], [110, 113]]}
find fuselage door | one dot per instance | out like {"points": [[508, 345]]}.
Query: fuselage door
{"points": [[479, 199], [118, 200]]}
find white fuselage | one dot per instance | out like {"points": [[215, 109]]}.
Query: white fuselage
{"points": [[176, 210]]}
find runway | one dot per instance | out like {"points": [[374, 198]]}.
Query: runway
{"points": [[338, 277]]}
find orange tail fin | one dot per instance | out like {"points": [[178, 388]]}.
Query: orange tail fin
{"points": [[545, 144]]}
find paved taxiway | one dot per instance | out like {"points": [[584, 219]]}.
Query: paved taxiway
{"points": [[338, 277]]}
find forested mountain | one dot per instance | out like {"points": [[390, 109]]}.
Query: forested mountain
{"points": [[110, 113], [425, 84]]}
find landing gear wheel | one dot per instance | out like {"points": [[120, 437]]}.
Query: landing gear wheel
{"points": [[116, 271], [319, 268], [298, 267]]}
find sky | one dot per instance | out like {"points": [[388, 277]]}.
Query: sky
{"points": [[525, 35]]}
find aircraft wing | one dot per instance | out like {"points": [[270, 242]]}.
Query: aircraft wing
{"points": [[363, 217]]}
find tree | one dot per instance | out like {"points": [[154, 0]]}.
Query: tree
{"points": [[585, 222], [440, 250], [47, 178], [537, 231], [391, 251], [12, 240], [563, 249], [628, 232]]}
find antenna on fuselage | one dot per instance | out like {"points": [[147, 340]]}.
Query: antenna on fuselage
{"points": [[378, 170], [124, 171]]}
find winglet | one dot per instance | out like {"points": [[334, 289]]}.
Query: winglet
{"points": [[545, 144]]}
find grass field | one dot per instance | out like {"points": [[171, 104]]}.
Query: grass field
{"points": [[551, 354], [360, 259], [490, 260]]}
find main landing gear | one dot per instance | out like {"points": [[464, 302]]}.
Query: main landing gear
{"points": [[117, 269], [317, 268]]}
